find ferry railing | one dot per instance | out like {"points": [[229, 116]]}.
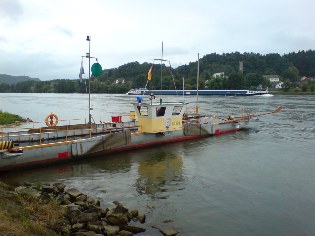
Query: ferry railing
{"points": [[42, 134]]}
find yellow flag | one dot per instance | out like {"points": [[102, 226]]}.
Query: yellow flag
{"points": [[150, 73]]}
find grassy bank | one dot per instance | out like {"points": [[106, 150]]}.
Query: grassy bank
{"points": [[23, 214], [8, 118]]}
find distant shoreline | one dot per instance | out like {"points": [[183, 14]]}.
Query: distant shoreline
{"points": [[291, 93], [275, 92]]}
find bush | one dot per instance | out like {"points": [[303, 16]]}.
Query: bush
{"points": [[304, 87], [7, 118]]}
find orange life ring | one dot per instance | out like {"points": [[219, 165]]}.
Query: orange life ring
{"points": [[51, 120]]}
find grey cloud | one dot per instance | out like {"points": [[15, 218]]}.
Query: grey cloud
{"points": [[64, 31], [11, 8], [14, 64], [3, 39]]}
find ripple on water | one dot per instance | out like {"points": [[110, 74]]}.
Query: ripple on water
{"points": [[256, 182]]}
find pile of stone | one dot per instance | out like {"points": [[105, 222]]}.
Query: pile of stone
{"points": [[84, 215]]}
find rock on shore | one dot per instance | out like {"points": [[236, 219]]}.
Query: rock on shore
{"points": [[83, 214]]}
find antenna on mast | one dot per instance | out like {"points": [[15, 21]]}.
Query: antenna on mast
{"points": [[161, 59]]}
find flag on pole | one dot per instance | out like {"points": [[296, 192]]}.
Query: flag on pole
{"points": [[150, 73], [81, 69]]}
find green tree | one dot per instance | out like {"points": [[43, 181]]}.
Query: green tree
{"points": [[287, 85], [251, 80], [292, 74], [235, 81], [217, 83]]}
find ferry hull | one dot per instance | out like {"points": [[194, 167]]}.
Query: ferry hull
{"points": [[43, 154]]}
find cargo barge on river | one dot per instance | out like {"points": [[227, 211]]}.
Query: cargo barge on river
{"points": [[143, 91]]}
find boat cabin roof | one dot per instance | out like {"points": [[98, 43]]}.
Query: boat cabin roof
{"points": [[159, 110]]}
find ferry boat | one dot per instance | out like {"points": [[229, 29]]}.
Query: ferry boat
{"points": [[150, 123], [138, 91]]}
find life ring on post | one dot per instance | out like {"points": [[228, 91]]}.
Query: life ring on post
{"points": [[51, 120]]}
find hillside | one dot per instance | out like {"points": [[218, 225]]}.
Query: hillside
{"points": [[9, 79], [237, 70]]}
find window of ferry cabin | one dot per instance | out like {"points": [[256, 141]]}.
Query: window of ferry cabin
{"points": [[177, 110], [160, 111]]}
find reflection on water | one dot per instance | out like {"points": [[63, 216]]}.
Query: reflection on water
{"points": [[156, 174], [84, 167], [256, 182]]}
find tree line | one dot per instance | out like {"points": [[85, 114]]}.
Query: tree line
{"points": [[290, 67]]}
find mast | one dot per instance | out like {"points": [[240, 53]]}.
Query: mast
{"points": [[161, 61], [183, 87], [185, 74], [88, 38], [161, 65], [197, 86]]}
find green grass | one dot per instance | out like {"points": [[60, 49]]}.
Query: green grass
{"points": [[22, 214], [8, 118]]}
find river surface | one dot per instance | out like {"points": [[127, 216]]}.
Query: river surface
{"points": [[260, 181]]}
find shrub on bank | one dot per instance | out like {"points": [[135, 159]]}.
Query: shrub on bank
{"points": [[8, 118]]}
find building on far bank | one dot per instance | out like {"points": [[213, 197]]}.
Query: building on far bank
{"points": [[306, 79], [274, 80], [120, 80], [218, 75], [279, 85]]}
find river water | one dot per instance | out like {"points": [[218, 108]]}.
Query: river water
{"points": [[260, 181]]}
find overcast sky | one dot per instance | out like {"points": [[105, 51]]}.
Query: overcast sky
{"points": [[46, 38]]}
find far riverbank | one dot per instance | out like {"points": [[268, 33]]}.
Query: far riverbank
{"points": [[280, 92]]}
